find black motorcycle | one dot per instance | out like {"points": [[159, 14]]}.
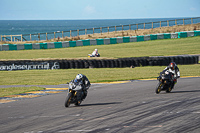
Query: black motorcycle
{"points": [[72, 97], [165, 81]]}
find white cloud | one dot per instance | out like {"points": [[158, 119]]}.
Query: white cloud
{"points": [[89, 10], [193, 9]]}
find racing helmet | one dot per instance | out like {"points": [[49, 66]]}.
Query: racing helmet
{"points": [[79, 77], [96, 50], [172, 65]]}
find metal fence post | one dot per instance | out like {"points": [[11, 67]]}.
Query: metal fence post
{"points": [[54, 35], [108, 29], [144, 25], [85, 31], [78, 32], [93, 30], [70, 33], [129, 27], [30, 38], [115, 29], [168, 23], [160, 23], [175, 22], [183, 22], [152, 25], [46, 36], [191, 21], [101, 30], [137, 26], [11, 38], [21, 38], [62, 34]]}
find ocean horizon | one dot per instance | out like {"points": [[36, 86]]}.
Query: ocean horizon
{"points": [[27, 27]]}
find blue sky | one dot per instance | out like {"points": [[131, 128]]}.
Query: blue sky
{"points": [[97, 9]]}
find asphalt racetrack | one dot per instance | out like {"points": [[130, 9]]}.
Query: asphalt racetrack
{"points": [[109, 108]]}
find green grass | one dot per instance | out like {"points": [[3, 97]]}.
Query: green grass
{"points": [[18, 90], [61, 76], [164, 47]]}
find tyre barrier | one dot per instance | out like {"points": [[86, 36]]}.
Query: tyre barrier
{"points": [[97, 63]]}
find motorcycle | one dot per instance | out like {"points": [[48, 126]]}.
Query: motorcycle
{"points": [[165, 81], [90, 55], [72, 97]]}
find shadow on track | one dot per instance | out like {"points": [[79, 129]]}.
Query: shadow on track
{"points": [[97, 104], [185, 91]]}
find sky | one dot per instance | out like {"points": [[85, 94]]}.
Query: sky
{"points": [[97, 9]]}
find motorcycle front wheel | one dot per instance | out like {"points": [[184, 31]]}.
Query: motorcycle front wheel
{"points": [[158, 88], [169, 90], [68, 99]]}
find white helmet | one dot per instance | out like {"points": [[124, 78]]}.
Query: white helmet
{"points": [[79, 76], [96, 49]]}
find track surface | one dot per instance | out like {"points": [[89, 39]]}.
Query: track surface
{"points": [[111, 108]]}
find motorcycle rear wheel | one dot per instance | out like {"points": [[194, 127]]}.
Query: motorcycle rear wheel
{"points": [[158, 88], [68, 99]]}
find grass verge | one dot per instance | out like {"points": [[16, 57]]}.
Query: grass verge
{"points": [[18, 90], [62, 76], [165, 47]]}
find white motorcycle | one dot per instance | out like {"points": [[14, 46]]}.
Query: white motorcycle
{"points": [[72, 97]]}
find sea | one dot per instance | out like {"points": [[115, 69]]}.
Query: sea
{"points": [[34, 27]]}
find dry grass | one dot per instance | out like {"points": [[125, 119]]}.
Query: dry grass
{"points": [[138, 32]]}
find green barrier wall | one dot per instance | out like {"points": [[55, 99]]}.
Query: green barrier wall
{"points": [[167, 36], [153, 37], [113, 40], [196, 33], [72, 43], [126, 39], [28, 46], [12, 46], [100, 41], [43, 45], [86, 42], [140, 38], [182, 34], [58, 44]]}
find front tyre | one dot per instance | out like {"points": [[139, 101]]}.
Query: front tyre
{"points": [[78, 103], [158, 88], [169, 90], [68, 99]]}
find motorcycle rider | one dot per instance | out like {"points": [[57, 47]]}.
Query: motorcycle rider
{"points": [[94, 53], [86, 84], [173, 68]]}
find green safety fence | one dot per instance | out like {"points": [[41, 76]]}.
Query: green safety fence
{"points": [[113, 40], [58, 44], [153, 37], [28, 46], [86, 42], [126, 39], [196, 33], [182, 34], [167, 35], [101, 41], [72, 43], [140, 38]]}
